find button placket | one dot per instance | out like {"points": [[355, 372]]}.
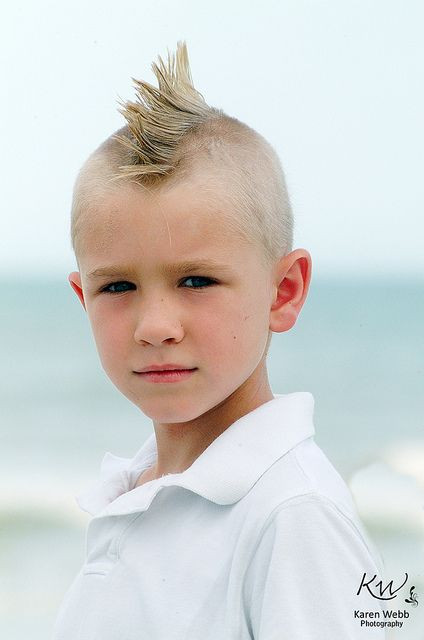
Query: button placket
{"points": [[102, 542]]}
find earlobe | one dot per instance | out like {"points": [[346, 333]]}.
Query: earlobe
{"points": [[293, 276], [74, 279]]}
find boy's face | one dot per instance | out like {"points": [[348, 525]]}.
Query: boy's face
{"points": [[150, 309]]}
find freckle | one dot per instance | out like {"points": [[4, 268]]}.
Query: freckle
{"points": [[235, 337], [246, 317]]}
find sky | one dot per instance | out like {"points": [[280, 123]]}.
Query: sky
{"points": [[335, 86]]}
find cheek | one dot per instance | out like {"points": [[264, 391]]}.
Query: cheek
{"points": [[234, 331], [110, 334]]}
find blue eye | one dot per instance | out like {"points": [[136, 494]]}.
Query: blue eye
{"points": [[120, 287], [195, 281]]}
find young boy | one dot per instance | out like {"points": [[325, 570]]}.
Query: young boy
{"points": [[229, 523]]}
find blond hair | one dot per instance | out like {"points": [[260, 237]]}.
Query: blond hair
{"points": [[171, 133]]}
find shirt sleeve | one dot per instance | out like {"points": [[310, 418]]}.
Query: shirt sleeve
{"points": [[303, 579]]}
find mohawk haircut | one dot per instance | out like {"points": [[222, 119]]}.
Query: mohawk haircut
{"points": [[172, 134], [161, 117]]}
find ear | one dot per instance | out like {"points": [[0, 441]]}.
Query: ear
{"points": [[75, 282], [292, 278]]}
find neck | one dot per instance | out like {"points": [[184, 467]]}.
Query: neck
{"points": [[180, 444]]}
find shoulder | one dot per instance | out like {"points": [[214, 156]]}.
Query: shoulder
{"points": [[311, 531], [312, 521], [304, 470], [309, 495], [305, 571]]}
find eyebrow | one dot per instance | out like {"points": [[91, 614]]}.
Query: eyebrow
{"points": [[167, 269]]}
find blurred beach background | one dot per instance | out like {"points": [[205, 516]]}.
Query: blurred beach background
{"points": [[344, 112]]}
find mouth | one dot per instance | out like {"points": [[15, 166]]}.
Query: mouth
{"points": [[167, 373]]}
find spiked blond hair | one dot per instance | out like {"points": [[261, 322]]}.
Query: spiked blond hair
{"points": [[171, 132]]}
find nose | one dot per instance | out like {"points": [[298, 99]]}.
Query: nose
{"points": [[157, 323]]}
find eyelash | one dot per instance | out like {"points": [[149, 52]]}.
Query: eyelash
{"points": [[106, 288]]}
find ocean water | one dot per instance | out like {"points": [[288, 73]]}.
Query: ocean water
{"points": [[358, 347]]}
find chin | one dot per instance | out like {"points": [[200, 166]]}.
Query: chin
{"points": [[168, 410]]}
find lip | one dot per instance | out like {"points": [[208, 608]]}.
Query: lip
{"points": [[164, 367], [166, 375]]}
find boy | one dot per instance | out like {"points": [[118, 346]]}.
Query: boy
{"points": [[229, 523]]}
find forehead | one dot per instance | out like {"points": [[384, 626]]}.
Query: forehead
{"points": [[194, 218]]}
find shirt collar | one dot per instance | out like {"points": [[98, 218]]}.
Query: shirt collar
{"points": [[223, 473]]}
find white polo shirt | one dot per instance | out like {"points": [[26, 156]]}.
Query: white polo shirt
{"points": [[257, 540]]}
